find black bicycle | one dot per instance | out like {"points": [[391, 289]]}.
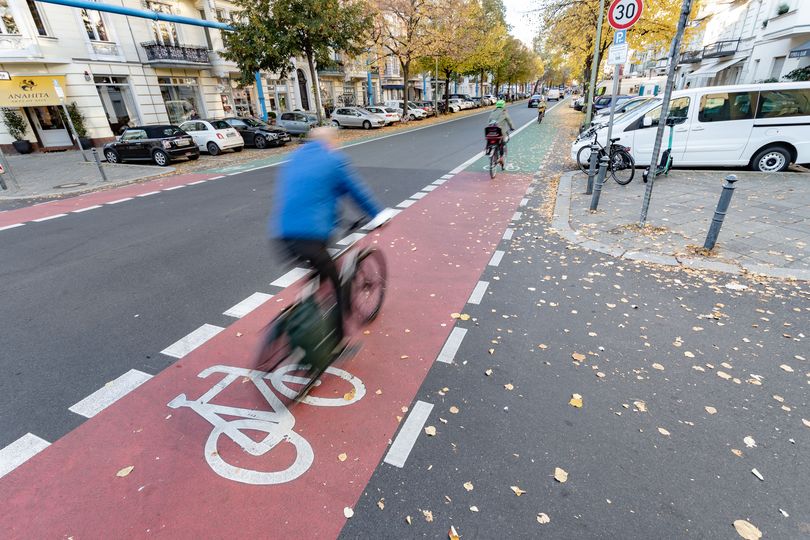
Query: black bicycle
{"points": [[495, 141], [621, 165], [305, 333]]}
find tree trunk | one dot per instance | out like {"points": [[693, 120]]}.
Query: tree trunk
{"points": [[482, 93], [315, 90], [406, 68], [447, 74]]}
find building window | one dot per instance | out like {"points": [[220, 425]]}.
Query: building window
{"points": [[181, 96], [38, 17], [94, 25], [116, 98], [207, 33], [7, 23], [165, 32], [776, 69]]}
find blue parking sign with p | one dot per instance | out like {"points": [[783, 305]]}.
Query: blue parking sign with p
{"points": [[620, 37]]}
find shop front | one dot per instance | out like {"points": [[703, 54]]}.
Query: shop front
{"points": [[36, 99], [182, 98], [118, 102]]}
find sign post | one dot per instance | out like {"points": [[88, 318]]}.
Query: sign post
{"points": [[622, 14], [61, 93]]}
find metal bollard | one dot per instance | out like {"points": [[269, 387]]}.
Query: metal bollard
{"points": [[600, 181], [592, 167], [98, 164], [720, 212]]}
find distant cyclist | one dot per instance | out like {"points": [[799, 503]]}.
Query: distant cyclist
{"points": [[309, 188], [501, 118]]}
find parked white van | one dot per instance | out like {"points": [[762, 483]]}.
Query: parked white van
{"points": [[763, 126]]}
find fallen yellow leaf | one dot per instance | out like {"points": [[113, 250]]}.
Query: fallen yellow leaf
{"points": [[428, 515], [348, 396], [710, 410], [560, 475], [517, 491], [640, 405], [658, 366], [381, 504], [468, 486], [576, 401], [430, 430], [453, 410], [342, 457], [543, 518], [452, 534], [125, 471], [579, 357], [509, 386], [455, 315], [806, 422], [464, 317], [747, 530], [664, 432]]}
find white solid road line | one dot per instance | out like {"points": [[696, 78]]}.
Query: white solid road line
{"points": [[290, 277], [419, 195], [507, 235], [20, 451], [185, 345], [120, 200], [451, 346], [80, 210], [175, 187], [11, 226], [148, 193], [110, 393], [40, 220], [496, 258], [406, 203], [248, 304], [478, 292], [516, 216], [403, 443], [351, 239]]}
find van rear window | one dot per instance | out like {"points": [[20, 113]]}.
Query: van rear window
{"points": [[784, 103], [726, 106]]}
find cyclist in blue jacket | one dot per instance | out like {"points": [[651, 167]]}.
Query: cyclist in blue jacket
{"points": [[305, 208]]}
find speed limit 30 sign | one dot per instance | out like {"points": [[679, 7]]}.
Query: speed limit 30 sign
{"points": [[623, 14]]}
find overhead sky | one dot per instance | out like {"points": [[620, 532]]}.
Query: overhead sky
{"points": [[524, 25]]}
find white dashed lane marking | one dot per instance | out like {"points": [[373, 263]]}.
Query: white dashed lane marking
{"points": [[524, 202], [496, 258], [478, 292], [248, 304], [517, 216], [403, 443], [429, 188], [11, 226], [290, 277], [418, 195], [185, 345], [47, 218], [197, 182], [439, 182], [352, 238], [148, 193], [406, 203], [174, 187], [110, 393], [80, 210], [125, 199], [508, 234], [20, 451], [448, 353]]}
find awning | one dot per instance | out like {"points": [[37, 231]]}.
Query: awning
{"points": [[713, 69], [30, 90], [393, 87], [801, 51]]}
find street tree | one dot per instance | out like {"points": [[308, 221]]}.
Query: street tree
{"points": [[268, 33], [492, 32]]}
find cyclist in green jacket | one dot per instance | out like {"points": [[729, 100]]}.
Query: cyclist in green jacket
{"points": [[500, 117]]}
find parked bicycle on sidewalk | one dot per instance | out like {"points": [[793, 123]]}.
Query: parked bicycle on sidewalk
{"points": [[621, 165]]}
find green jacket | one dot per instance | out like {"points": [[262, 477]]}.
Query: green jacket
{"points": [[501, 117]]}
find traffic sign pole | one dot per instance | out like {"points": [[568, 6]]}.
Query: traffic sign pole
{"points": [[594, 65]]}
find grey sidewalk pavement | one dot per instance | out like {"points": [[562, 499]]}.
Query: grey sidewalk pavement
{"points": [[766, 231], [60, 173]]}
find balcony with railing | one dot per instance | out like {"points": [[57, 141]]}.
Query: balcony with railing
{"points": [[720, 49], [690, 57], [158, 54]]}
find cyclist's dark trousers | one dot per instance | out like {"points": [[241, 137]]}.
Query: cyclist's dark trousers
{"points": [[314, 253]]}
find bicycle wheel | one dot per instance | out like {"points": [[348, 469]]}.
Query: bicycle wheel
{"points": [[622, 167], [493, 162], [274, 344], [584, 158], [367, 286]]}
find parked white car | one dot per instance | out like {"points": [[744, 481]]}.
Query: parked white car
{"points": [[762, 126], [356, 117], [553, 93], [391, 114], [414, 112], [455, 104], [213, 136]]}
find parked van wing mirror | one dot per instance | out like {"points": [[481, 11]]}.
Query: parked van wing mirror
{"points": [[646, 121]]}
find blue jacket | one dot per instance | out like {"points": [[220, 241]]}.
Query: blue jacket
{"points": [[308, 192]]}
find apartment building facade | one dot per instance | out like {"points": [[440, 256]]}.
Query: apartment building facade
{"points": [[122, 70]]}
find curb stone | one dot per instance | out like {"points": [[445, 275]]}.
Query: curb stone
{"points": [[561, 224]]}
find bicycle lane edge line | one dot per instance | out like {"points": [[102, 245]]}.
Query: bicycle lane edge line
{"points": [[173, 488]]}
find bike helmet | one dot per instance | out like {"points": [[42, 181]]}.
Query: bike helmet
{"points": [[500, 104]]}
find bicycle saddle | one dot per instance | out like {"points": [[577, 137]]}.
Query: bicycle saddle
{"points": [[614, 140]]}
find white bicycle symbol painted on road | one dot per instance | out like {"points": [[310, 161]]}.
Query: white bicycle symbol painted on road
{"points": [[277, 422], [509, 167]]}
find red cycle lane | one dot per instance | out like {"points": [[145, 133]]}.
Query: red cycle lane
{"points": [[70, 204], [190, 479]]}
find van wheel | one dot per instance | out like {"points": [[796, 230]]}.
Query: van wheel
{"points": [[771, 159]]}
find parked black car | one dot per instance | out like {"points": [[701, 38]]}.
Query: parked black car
{"points": [[160, 144], [257, 133], [535, 100]]}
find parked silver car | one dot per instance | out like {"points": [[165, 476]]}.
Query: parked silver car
{"points": [[356, 117], [296, 123]]}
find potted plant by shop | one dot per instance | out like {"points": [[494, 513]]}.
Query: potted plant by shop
{"points": [[16, 125], [78, 120]]}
